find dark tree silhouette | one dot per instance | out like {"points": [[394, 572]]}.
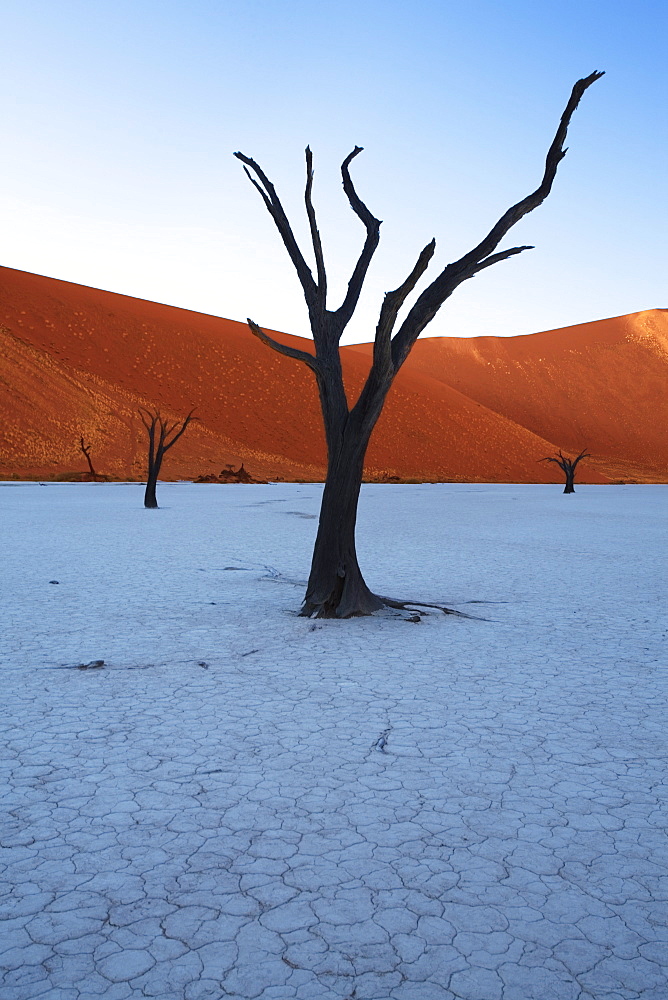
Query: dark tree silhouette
{"points": [[159, 441], [86, 450], [336, 587], [567, 466]]}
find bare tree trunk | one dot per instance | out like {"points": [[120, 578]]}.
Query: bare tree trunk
{"points": [[85, 448], [90, 464], [150, 499], [569, 488], [336, 587]]}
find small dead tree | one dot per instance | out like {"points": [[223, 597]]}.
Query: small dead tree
{"points": [[567, 466], [85, 448], [336, 587], [161, 436]]}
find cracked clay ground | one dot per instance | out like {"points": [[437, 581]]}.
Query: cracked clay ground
{"points": [[244, 803]]}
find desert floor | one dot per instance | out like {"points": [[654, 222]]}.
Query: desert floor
{"points": [[245, 803]]}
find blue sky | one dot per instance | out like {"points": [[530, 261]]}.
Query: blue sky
{"points": [[120, 120]]}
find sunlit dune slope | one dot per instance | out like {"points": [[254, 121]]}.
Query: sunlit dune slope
{"points": [[77, 360], [82, 360], [601, 385]]}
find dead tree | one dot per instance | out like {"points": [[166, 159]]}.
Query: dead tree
{"points": [[86, 450], [336, 587], [567, 466], [159, 441]]}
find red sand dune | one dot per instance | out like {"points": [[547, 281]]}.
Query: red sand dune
{"points": [[602, 385], [77, 360]]}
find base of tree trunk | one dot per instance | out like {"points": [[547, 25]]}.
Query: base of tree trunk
{"points": [[372, 604], [349, 597], [150, 498]]}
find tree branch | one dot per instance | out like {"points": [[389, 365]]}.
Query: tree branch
{"points": [[356, 203], [583, 454], [141, 413], [347, 308], [372, 397], [502, 255], [392, 303], [168, 444], [433, 297], [161, 440], [315, 235], [258, 187], [558, 461], [275, 209], [290, 352], [150, 427], [554, 157]]}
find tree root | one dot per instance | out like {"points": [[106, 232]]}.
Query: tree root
{"points": [[416, 606], [362, 602], [417, 610]]}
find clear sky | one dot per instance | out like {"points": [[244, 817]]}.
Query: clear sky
{"points": [[120, 118]]}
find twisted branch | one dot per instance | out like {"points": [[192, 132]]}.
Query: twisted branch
{"points": [[347, 308]]}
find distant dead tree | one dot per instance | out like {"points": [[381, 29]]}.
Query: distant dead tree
{"points": [[159, 441], [567, 466], [336, 587], [85, 448]]}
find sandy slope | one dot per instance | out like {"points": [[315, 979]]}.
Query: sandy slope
{"points": [[602, 385], [79, 360]]}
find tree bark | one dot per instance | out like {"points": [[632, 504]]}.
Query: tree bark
{"points": [[336, 587], [569, 488], [150, 499]]}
